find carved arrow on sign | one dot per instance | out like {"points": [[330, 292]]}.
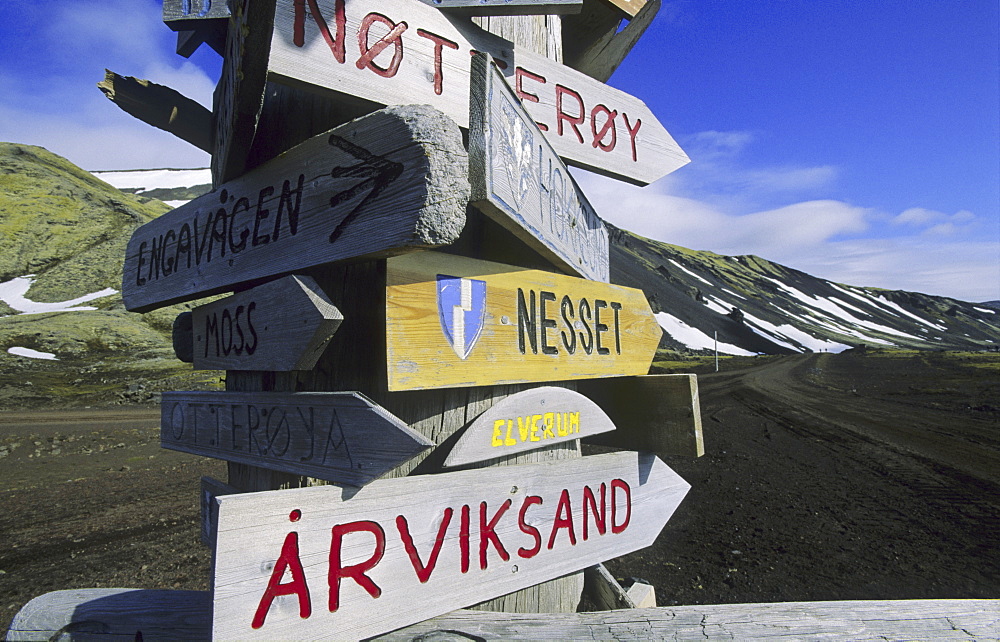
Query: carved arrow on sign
{"points": [[342, 437], [282, 325], [324, 562], [387, 183]]}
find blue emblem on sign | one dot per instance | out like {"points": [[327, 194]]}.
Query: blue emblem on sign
{"points": [[462, 311]]}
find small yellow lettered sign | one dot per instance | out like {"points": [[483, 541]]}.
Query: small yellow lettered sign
{"points": [[453, 321]]}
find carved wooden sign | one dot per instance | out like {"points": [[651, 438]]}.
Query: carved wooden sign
{"points": [[328, 562], [282, 325], [403, 51], [519, 181], [453, 321], [342, 437], [528, 420], [389, 182], [506, 7]]}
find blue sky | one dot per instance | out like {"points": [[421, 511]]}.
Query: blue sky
{"points": [[855, 140]]}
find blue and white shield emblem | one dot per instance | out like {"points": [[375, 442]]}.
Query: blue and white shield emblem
{"points": [[462, 311]]}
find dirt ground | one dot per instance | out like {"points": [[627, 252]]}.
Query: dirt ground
{"points": [[826, 477]]}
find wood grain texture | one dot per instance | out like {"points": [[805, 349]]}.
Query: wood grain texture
{"points": [[604, 590], [526, 421], [282, 325], [629, 7], [518, 179], [589, 124], [180, 14], [239, 94], [161, 107], [210, 489], [535, 326], [505, 7], [213, 33], [656, 413], [523, 525], [390, 182], [115, 614], [600, 58], [341, 437]]}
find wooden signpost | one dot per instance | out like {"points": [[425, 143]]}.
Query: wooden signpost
{"points": [[282, 325], [390, 182], [453, 321], [519, 181], [526, 421], [342, 437], [506, 7], [655, 413], [323, 561], [403, 51], [197, 21]]}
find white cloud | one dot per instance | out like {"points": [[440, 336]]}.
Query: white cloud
{"points": [[51, 98]]}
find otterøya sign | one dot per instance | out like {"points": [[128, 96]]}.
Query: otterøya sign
{"points": [[322, 562], [454, 321], [403, 51], [371, 187]]}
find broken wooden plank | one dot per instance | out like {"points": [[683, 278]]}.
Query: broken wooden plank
{"points": [[657, 413], [402, 549], [390, 182], [342, 437], [161, 107], [519, 181]]}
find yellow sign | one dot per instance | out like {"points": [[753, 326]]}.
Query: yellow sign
{"points": [[453, 321]]}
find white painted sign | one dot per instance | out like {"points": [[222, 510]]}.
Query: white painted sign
{"points": [[403, 51], [327, 562], [519, 181], [528, 420]]}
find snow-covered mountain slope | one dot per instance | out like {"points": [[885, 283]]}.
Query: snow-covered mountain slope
{"points": [[172, 186], [756, 306]]}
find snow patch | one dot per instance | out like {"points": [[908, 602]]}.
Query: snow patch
{"points": [[32, 354], [12, 293], [984, 310], [904, 311], [804, 339], [146, 179], [176, 204], [690, 273], [694, 338]]}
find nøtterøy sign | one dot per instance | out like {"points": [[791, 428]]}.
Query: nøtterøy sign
{"points": [[454, 321], [403, 51], [327, 562]]}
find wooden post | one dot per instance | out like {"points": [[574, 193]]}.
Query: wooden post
{"points": [[355, 358]]}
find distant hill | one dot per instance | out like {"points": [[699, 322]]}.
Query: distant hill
{"points": [[63, 233]]}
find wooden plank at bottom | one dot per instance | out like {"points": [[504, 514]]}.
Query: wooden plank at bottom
{"points": [[106, 614], [656, 413]]}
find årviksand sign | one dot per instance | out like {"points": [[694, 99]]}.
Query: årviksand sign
{"points": [[453, 321], [519, 181], [386, 183], [403, 51], [308, 562], [528, 420]]}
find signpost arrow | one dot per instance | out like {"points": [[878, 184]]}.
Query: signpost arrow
{"points": [[453, 321], [403, 51], [282, 325], [321, 561], [528, 420], [342, 437], [519, 181], [389, 182]]}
